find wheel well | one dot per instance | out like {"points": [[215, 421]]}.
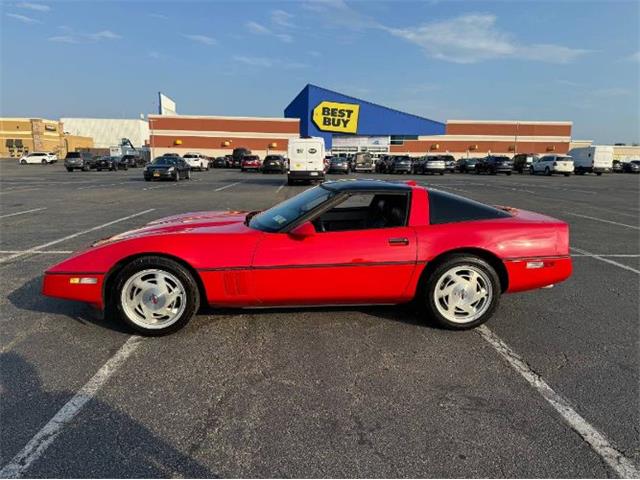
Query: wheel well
{"points": [[486, 255], [113, 273]]}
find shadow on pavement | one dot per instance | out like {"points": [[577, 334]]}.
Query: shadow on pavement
{"points": [[100, 441]]}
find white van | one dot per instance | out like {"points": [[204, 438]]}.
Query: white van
{"points": [[596, 159], [306, 160]]}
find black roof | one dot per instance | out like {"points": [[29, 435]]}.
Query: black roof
{"points": [[365, 185]]}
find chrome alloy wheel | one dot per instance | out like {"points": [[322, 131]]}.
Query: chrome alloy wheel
{"points": [[463, 294], [153, 298]]}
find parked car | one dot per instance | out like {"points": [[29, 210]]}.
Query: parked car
{"points": [[383, 163], [522, 162], [467, 165], [616, 166], [450, 163], [237, 155], [196, 161], [274, 163], [363, 162], [429, 164], [43, 158], [550, 164], [108, 163], [632, 166], [167, 167], [134, 161], [447, 258], [400, 164], [218, 162], [79, 161], [339, 165], [494, 164], [250, 162]]}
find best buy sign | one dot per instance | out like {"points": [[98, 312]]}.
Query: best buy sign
{"points": [[336, 117]]}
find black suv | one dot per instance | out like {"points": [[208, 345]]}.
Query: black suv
{"points": [[133, 161], [494, 165], [79, 161], [274, 163]]}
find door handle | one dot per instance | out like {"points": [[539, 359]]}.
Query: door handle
{"points": [[398, 241]]}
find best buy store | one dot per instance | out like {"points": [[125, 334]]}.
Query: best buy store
{"points": [[349, 125]]}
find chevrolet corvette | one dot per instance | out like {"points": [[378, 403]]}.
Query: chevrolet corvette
{"points": [[340, 243]]}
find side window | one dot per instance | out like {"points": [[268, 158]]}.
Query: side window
{"points": [[365, 211]]}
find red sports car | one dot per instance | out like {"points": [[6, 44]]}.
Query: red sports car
{"points": [[344, 242]]}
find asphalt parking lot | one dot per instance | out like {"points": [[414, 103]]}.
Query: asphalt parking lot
{"points": [[337, 392]]}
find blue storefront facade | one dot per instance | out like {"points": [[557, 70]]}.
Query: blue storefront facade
{"points": [[325, 113]]}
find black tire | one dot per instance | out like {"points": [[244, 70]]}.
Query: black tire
{"points": [[289, 182], [597, 173], [69, 169], [508, 174], [97, 169], [568, 174], [176, 177], [425, 293], [113, 303], [44, 162], [147, 179], [547, 172], [23, 162]]}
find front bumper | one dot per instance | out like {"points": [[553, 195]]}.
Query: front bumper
{"points": [[62, 285]]}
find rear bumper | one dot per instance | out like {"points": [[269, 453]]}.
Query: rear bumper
{"points": [[537, 272], [59, 285], [306, 175]]}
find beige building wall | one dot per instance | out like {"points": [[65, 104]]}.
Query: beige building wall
{"points": [[19, 136]]}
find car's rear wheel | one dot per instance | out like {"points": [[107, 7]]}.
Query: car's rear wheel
{"points": [[69, 169], [23, 162], [44, 162], [154, 296], [462, 292]]}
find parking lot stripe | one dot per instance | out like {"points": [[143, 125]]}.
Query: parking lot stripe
{"points": [[23, 212], [603, 220], [606, 260], [19, 191], [618, 462], [73, 235], [45, 437], [281, 187], [226, 186], [50, 252]]}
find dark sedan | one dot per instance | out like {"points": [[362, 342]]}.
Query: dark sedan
{"points": [[133, 161], [494, 165], [218, 162], [167, 168], [467, 165], [632, 166], [274, 163], [107, 163], [339, 165]]}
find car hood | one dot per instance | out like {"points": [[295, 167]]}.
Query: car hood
{"points": [[195, 222]]}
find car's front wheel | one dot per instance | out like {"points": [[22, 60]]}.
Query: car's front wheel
{"points": [[154, 296], [461, 293]]}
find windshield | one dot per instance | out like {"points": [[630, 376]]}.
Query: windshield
{"points": [[287, 212], [164, 161]]}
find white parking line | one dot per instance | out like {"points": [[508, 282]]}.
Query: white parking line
{"points": [[226, 186], [603, 220], [45, 437], [606, 260], [281, 187], [50, 252], [622, 255], [68, 237], [19, 191], [23, 212], [618, 462]]}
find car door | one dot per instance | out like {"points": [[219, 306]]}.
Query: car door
{"points": [[365, 264]]}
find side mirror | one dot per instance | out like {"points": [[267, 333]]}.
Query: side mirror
{"points": [[303, 230]]}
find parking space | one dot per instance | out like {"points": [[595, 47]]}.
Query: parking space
{"points": [[349, 392]]}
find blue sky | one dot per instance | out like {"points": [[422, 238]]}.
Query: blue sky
{"points": [[562, 60]]}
